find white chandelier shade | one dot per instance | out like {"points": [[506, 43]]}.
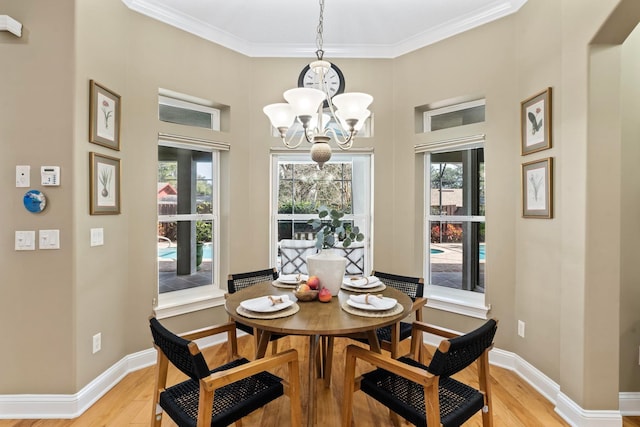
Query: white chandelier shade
{"points": [[281, 115], [304, 101]]}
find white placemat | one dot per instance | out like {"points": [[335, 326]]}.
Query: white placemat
{"points": [[378, 288], [277, 284], [367, 313], [289, 311]]}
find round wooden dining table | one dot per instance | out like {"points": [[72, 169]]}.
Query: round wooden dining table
{"points": [[315, 319]]}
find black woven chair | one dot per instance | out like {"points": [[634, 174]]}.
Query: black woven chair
{"points": [[427, 395], [223, 395], [239, 281]]}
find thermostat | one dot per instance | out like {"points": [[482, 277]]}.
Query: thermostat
{"points": [[50, 175]]}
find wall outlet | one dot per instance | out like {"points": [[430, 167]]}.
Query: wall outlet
{"points": [[521, 328], [97, 342]]}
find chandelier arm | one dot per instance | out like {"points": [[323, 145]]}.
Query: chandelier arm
{"points": [[347, 145], [289, 143], [345, 142]]}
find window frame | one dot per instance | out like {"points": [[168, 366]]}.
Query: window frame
{"points": [[366, 160], [467, 303], [206, 296]]}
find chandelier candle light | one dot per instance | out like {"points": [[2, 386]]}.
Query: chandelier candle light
{"points": [[305, 104]]}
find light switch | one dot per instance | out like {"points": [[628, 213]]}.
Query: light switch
{"points": [[25, 240], [49, 239], [97, 236]]}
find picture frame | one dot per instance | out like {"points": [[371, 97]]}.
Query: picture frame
{"points": [[104, 184], [535, 122], [537, 189], [104, 116]]}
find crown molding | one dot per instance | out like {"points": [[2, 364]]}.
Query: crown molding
{"points": [[175, 18], [7, 23]]}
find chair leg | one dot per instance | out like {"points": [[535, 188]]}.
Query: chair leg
{"points": [[274, 347], [349, 389], [485, 388], [162, 366], [157, 415], [294, 393]]}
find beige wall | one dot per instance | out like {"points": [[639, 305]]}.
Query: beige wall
{"points": [[37, 298], [630, 212], [547, 273]]}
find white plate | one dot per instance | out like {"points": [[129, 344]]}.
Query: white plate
{"points": [[264, 305], [290, 279], [385, 303], [352, 284]]}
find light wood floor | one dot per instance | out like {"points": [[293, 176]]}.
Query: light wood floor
{"points": [[129, 402]]}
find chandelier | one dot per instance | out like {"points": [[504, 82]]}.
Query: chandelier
{"points": [[305, 105]]}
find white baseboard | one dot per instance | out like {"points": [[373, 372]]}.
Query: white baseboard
{"points": [[62, 406], [571, 412], [630, 404]]}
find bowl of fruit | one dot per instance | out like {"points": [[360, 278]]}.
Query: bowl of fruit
{"points": [[304, 293], [307, 290]]}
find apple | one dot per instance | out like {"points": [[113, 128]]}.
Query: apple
{"points": [[324, 295], [313, 282], [303, 288]]}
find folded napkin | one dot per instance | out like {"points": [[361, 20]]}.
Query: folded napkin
{"points": [[358, 282], [277, 299], [292, 277], [373, 300]]}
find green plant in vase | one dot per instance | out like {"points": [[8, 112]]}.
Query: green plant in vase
{"points": [[331, 229], [329, 265]]}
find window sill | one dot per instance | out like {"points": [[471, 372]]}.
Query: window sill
{"points": [[466, 303], [189, 300]]}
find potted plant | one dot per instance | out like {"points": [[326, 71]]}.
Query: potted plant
{"points": [[327, 264], [331, 229], [203, 235]]}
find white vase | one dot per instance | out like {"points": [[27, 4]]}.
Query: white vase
{"points": [[329, 267]]}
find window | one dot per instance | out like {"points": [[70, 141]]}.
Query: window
{"points": [[188, 113], [300, 188], [188, 244], [454, 115], [455, 229]]}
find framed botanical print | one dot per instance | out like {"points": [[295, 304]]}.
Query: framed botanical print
{"points": [[537, 189], [104, 116], [104, 184], [535, 122]]}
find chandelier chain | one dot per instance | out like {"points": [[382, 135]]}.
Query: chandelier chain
{"points": [[319, 51]]}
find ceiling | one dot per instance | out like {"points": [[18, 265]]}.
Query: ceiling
{"points": [[352, 28]]}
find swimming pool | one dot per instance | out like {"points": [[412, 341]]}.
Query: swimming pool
{"points": [[172, 253], [439, 251]]}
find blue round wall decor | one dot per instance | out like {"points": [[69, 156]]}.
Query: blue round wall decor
{"points": [[34, 201]]}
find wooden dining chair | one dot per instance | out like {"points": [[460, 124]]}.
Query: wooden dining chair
{"points": [[427, 395], [223, 395], [239, 281], [391, 336]]}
